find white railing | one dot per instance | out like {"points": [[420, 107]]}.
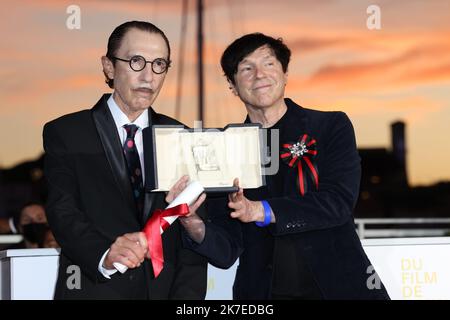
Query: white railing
{"points": [[374, 231], [397, 227], [10, 238]]}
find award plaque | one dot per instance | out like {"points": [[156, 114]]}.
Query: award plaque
{"points": [[213, 157]]}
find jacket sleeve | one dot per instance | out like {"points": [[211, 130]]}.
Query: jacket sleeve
{"points": [[223, 242], [191, 275], [339, 178], [78, 238]]}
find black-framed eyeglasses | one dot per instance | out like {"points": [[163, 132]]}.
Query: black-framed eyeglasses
{"points": [[137, 63]]}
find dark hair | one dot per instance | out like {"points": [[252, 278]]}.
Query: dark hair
{"points": [[245, 45], [115, 40]]}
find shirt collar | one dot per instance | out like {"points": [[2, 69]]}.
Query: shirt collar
{"points": [[121, 119]]}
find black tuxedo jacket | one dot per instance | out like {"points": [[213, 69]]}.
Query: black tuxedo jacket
{"points": [[313, 250], [90, 204]]}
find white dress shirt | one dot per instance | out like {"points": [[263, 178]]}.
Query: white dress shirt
{"points": [[121, 119]]}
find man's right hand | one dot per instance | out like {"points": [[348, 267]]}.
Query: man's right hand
{"points": [[129, 249]]}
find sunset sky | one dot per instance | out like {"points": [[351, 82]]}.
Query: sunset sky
{"points": [[400, 72]]}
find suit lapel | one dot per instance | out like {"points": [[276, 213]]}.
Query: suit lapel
{"points": [[150, 197], [149, 201], [296, 123], [110, 140]]}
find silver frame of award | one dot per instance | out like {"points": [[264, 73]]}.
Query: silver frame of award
{"points": [[214, 157]]}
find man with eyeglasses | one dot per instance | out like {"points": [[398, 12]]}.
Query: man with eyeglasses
{"points": [[94, 167]]}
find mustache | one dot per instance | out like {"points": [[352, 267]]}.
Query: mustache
{"points": [[144, 86]]}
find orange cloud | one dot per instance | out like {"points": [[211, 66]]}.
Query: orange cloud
{"points": [[418, 65], [41, 88], [438, 73]]}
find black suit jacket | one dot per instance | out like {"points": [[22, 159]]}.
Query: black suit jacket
{"points": [[313, 250], [90, 204]]}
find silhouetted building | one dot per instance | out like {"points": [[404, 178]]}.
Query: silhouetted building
{"points": [[384, 191]]}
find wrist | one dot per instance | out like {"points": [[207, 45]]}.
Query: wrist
{"points": [[267, 214], [106, 263], [195, 228], [258, 211]]}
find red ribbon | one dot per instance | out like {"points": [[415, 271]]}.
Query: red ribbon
{"points": [[303, 151], [153, 233]]}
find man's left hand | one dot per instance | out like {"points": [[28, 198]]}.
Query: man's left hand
{"points": [[244, 209], [178, 188], [193, 224]]}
